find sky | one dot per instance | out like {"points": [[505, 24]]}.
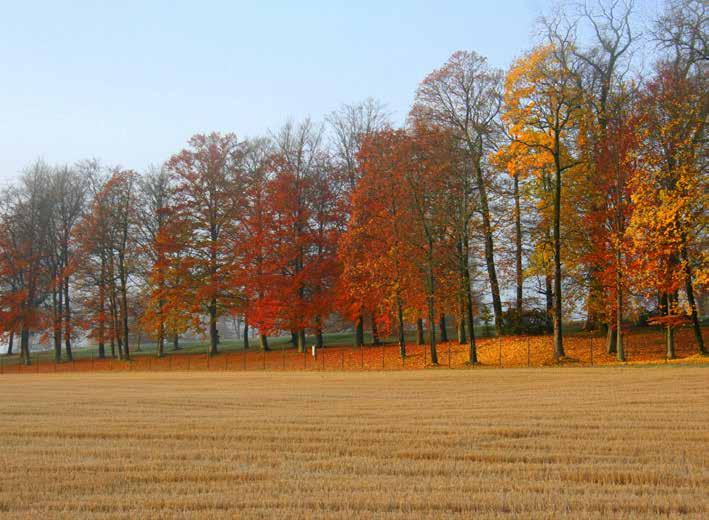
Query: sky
{"points": [[129, 82]]}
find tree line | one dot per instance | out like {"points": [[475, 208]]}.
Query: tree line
{"points": [[569, 183]]}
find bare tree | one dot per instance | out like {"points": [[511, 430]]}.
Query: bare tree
{"points": [[465, 95]]}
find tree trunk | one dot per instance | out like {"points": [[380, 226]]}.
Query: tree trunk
{"points": [[359, 331], [549, 297], [468, 302], [518, 247], [160, 350], [472, 347], [670, 331], [489, 249], [56, 305], [263, 340], [419, 331], [102, 311], [430, 303], [213, 332], [442, 327], [670, 342], [694, 315], [25, 346], [319, 341], [620, 348], [124, 313], [116, 334], [460, 322], [161, 342], [113, 307], [375, 332], [558, 326], [400, 318], [246, 333], [10, 343], [237, 327], [175, 341], [67, 320], [301, 340]]}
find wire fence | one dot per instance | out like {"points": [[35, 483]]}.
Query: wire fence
{"points": [[502, 352]]}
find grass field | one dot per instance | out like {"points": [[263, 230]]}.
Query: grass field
{"points": [[522, 443]]}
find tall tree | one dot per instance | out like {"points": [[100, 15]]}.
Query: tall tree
{"points": [[350, 126], [69, 192], [543, 107], [305, 227], [155, 239], [604, 62], [669, 196], [26, 225], [209, 184], [465, 95]]}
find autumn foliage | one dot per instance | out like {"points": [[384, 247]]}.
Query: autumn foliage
{"points": [[566, 188]]}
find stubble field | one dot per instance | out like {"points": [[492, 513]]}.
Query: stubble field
{"points": [[519, 443]]}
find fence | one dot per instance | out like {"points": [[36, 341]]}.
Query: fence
{"points": [[507, 351]]}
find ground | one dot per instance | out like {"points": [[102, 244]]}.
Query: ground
{"points": [[642, 346], [614, 442]]}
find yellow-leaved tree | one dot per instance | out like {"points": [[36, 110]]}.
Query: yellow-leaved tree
{"points": [[543, 105]]}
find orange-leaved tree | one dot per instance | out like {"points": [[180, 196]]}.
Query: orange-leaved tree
{"points": [[208, 199]]}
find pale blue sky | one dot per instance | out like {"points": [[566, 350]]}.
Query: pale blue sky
{"points": [[129, 82]]}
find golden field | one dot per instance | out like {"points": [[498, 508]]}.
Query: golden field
{"points": [[581, 443]]}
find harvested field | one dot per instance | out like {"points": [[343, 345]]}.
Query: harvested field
{"points": [[599, 443]]}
